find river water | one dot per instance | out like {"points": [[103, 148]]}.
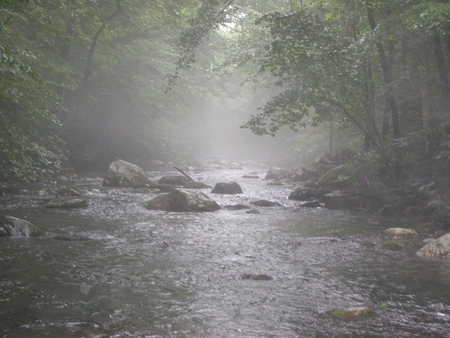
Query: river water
{"points": [[117, 269]]}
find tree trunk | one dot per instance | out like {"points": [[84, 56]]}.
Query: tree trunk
{"points": [[426, 114], [390, 98], [88, 67], [444, 85]]}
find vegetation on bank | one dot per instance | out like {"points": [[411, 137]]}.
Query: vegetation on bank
{"points": [[83, 82]]}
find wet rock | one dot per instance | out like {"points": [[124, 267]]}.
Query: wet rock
{"points": [[392, 245], [174, 180], [277, 173], [341, 200], [352, 313], [196, 185], [275, 183], [439, 248], [251, 176], [124, 174], [227, 188], [265, 203], [234, 166], [183, 201], [261, 277], [16, 227], [252, 211], [69, 204], [306, 194], [311, 204], [401, 232], [163, 187], [68, 192]]}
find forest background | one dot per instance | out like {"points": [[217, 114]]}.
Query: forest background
{"points": [[84, 82]]}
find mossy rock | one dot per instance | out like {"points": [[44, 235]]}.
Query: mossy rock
{"points": [[401, 232], [352, 313], [69, 204], [392, 245], [16, 227]]}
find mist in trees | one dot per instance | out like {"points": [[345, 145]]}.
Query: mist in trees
{"points": [[84, 82]]}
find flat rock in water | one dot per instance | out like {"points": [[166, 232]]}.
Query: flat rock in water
{"points": [[265, 203], [250, 176], [69, 204], [352, 313], [311, 204], [183, 200], [16, 227], [196, 185], [401, 232], [438, 248], [237, 207]]}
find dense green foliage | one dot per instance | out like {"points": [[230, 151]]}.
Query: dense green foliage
{"points": [[86, 81], [380, 68], [82, 82]]}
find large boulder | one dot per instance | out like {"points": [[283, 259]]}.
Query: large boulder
{"points": [[227, 188], [341, 200], [125, 174], [306, 194], [335, 178], [183, 200], [16, 227], [278, 173], [437, 248]]}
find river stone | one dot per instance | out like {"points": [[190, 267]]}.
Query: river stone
{"points": [[306, 194], [352, 313], [183, 200], [250, 176], [227, 188], [311, 204], [392, 245], [124, 174], [265, 203], [196, 185], [237, 207], [438, 248], [16, 227], [278, 173], [401, 232], [340, 200], [74, 203], [163, 187]]}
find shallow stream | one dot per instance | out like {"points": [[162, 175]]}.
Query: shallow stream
{"points": [[117, 269]]}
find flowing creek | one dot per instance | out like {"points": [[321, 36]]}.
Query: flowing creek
{"points": [[116, 269]]}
